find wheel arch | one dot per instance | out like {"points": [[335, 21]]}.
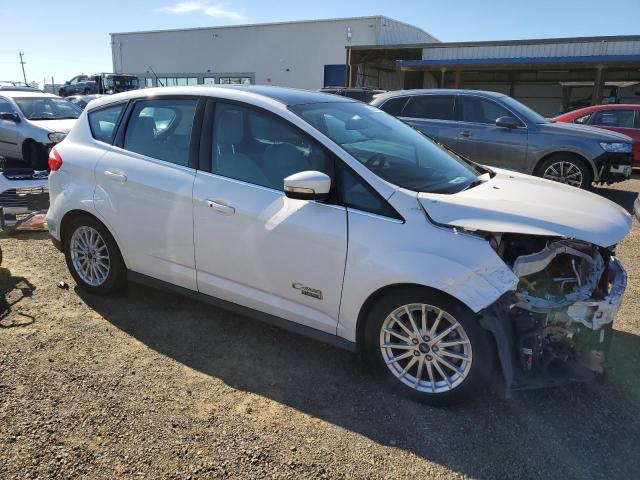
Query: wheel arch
{"points": [[570, 153], [369, 303], [75, 213]]}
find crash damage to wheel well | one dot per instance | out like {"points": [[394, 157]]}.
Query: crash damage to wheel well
{"points": [[556, 326]]}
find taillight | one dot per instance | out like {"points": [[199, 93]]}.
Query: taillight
{"points": [[55, 160]]}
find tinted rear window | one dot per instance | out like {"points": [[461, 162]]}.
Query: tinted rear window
{"points": [[394, 106], [436, 107], [103, 122]]}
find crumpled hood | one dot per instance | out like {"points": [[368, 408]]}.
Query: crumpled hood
{"points": [[63, 125], [517, 203]]}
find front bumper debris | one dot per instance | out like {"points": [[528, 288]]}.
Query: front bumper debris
{"points": [[614, 167], [556, 327]]}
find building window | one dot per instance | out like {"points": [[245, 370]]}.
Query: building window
{"points": [[209, 80], [235, 80], [177, 81]]}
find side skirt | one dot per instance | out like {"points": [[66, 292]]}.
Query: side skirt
{"points": [[279, 322]]}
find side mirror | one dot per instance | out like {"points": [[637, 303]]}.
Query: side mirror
{"points": [[67, 82], [308, 185], [507, 122], [12, 117]]}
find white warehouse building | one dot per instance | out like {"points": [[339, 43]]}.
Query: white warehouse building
{"points": [[304, 54]]}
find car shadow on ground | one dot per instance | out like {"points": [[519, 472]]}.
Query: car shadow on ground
{"points": [[14, 289], [575, 431], [624, 198]]}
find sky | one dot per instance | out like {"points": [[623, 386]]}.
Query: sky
{"points": [[64, 38]]}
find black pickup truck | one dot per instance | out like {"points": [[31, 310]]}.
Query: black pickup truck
{"points": [[99, 83]]}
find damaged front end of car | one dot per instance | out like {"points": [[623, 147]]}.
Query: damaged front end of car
{"points": [[556, 326]]}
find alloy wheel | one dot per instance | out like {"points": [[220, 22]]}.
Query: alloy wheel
{"points": [[425, 348], [564, 172], [90, 256]]}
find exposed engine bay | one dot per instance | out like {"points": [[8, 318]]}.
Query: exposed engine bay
{"points": [[556, 326]]}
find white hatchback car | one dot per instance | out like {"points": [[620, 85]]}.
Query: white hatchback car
{"points": [[333, 219]]}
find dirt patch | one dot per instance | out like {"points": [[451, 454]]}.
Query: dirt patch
{"points": [[147, 384]]}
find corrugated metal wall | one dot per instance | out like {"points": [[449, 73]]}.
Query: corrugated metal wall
{"points": [[392, 32], [534, 50]]}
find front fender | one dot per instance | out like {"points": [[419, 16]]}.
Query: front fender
{"points": [[461, 265]]}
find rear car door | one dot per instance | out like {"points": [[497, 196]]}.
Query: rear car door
{"points": [[253, 245], [8, 132], [483, 142], [434, 115], [144, 187]]}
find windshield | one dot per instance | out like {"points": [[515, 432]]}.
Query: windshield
{"points": [[390, 148], [47, 108], [522, 109]]}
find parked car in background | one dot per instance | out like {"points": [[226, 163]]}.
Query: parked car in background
{"points": [[494, 129], [99, 83], [619, 118], [12, 85], [81, 101], [331, 218], [31, 122], [358, 93]]}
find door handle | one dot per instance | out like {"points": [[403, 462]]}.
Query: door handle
{"points": [[466, 133], [121, 177], [220, 207]]}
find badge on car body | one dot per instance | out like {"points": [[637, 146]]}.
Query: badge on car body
{"points": [[308, 291]]}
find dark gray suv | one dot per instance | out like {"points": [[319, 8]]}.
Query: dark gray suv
{"points": [[495, 130]]}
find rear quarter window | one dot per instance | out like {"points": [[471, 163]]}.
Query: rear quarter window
{"points": [[103, 122]]}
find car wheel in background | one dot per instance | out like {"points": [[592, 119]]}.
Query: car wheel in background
{"points": [[92, 256], [35, 155], [567, 169], [429, 347], [86, 91]]}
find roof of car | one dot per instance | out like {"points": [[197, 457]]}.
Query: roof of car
{"points": [[286, 96], [439, 91], [26, 94]]}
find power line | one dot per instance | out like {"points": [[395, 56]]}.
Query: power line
{"points": [[22, 62]]}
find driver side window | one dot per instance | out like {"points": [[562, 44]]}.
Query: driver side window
{"points": [[5, 106]]}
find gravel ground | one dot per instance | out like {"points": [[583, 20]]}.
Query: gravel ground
{"points": [[150, 385]]}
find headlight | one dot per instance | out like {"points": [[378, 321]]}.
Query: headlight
{"points": [[57, 137], [616, 147]]}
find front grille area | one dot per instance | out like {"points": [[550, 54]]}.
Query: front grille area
{"points": [[20, 197]]}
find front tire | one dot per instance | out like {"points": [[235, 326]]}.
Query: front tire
{"points": [[93, 257], [567, 169], [428, 347]]}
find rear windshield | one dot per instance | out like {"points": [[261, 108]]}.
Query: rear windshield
{"points": [[47, 108], [389, 147], [120, 81]]}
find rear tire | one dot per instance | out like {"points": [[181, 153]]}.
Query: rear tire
{"points": [[430, 365], [93, 257], [567, 169]]}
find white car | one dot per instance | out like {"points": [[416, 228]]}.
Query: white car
{"points": [[334, 219]]}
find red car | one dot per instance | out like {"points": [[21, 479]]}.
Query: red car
{"points": [[617, 117]]}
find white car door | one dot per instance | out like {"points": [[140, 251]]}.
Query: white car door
{"points": [[8, 132], [253, 245], [144, 190]]}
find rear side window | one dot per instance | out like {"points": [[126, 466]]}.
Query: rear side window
{"points": [[103, 122], [582, 120], [614, 118], [161, 129], [436, 107], [394, 106]]}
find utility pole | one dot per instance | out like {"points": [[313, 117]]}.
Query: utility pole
{"points": [[22, 62]]}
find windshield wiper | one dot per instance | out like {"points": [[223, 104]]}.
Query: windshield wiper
{"points": [[485, 177]]}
